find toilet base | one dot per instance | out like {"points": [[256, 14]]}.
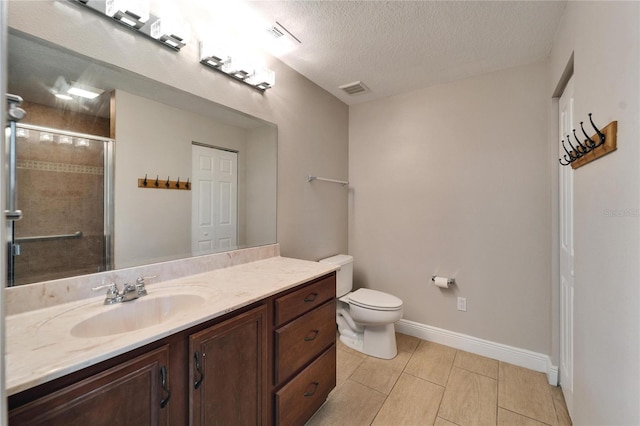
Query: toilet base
{"points": [[377, 341]]}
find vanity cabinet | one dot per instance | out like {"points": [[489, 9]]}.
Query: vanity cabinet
{"points": [[272, 362], [228, 372], [304, 350], [132, 393]]}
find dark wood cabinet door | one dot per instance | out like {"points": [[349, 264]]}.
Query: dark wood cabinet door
{"points": [[228, 372], [129, 394]]}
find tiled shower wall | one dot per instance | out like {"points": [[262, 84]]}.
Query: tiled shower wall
{"points": [[60, 191]]}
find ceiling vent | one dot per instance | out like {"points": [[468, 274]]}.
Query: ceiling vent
{"points": [[355, 88], [278, 32]]}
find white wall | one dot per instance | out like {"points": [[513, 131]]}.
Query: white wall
{"points": [[312, 124], [604, 38], [454, 180]]}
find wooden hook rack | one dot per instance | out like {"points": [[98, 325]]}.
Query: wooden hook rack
{"points": [[164, 183], [610, 132]]}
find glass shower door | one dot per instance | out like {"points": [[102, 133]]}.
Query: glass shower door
{"points": [[64, 191]]}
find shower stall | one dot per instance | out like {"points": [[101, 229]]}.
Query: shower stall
{"points": [[63, 187]]}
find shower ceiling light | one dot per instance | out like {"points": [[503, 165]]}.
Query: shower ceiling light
{"points": [[84, 91], [63, 97]]}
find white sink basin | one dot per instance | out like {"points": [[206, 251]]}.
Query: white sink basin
{"points": [[136, 314]]}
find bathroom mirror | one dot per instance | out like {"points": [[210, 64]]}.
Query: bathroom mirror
{"points": [[159, 132]]}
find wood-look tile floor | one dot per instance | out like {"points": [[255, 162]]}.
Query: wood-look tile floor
{"points": [[432, 384]]}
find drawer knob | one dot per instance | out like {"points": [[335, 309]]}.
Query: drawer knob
{"points": [[311, 297], [314, 333], [315, 388]]}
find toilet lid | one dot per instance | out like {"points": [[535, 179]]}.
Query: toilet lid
{"points": [[373, 299]]}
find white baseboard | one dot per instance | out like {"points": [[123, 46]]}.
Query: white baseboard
{"points": [[516, 356]]}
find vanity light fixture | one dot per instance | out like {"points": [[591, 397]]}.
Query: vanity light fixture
{"points": [[213, 56], [22, 133], [134, 13], [46, 137], [262, 78], [238, 67], [81, 142], [65, 140], [169, 31]]}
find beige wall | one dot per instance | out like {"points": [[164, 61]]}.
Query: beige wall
{"points": [[607, 206], [454, 180], [152, 225], [312, 124]]}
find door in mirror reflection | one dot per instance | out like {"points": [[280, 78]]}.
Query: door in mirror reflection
{"points": [[62, 179], [214, 200]]}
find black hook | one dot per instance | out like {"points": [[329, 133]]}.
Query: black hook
{"points": [[144, 182], [571, 158], [178, 182], [588, 141], [600, 134], [187, 184], [583, 148], [156, 182], [166, 184], [574, 154]]}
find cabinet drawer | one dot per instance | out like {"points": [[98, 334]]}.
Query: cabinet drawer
{"points": [[301, 340], [301, 397], [300, 301]]}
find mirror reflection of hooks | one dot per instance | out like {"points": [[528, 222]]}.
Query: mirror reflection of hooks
{"points": [[168, 184]]}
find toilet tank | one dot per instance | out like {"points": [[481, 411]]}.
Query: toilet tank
{"points": [[344, 275]]}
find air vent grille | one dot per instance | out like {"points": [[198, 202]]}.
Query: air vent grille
{"points": [[277, 31], [355, 88]]}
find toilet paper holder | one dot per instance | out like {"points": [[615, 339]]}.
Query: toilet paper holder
{"points": [[450, 281]]}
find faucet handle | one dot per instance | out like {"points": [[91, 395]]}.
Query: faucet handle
{"points": [[112, 293], [112, 288], [140, 284], [140, 280]]}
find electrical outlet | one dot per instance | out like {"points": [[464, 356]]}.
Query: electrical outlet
{"points": [[462, 304]]}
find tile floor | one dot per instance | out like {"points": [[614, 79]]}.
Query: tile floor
{"points": [[432, 384]]}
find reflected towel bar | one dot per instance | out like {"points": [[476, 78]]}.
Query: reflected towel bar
{"points": [[341, 182], [75, 235]]}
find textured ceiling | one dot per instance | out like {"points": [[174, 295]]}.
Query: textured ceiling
{"points": [[398, 46]]}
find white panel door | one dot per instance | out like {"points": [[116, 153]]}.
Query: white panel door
{"points": [[566, 250], [214, 200]]}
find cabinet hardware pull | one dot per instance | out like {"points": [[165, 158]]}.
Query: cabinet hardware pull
{"points": [[311, 297], [198, 382], [163, 376], [315, 388], [315, 334]]}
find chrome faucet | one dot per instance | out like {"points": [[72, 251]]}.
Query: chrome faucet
{"points": [[129, 291]]}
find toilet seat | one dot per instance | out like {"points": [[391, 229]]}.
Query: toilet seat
{"points": [[373, 299]]}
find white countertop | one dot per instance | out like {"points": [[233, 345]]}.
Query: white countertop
{"points": [[41, 346]]}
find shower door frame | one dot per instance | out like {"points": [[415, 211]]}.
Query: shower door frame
{"points": [[108, 191]]}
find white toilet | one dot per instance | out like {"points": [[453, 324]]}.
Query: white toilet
{"points": [[365, 317]]}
